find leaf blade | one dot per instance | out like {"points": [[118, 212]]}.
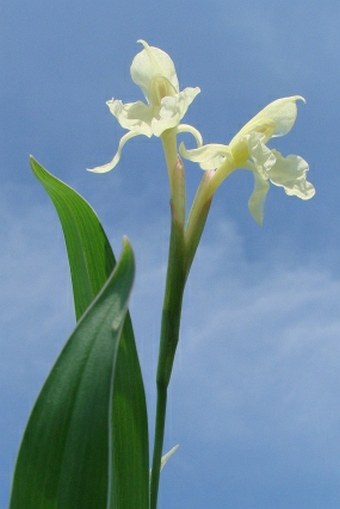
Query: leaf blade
{"points": [[91, 261], [53, 469], [90, 255]]}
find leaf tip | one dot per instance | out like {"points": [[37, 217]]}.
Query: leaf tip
{"points": [[127, 246], [168, 455]]}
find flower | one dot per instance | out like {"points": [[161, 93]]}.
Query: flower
{"points": [[248, 150], [154, 72]]}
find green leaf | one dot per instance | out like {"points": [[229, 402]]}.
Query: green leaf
{"points": [[64, 458], [90, 255], [91, 261]]}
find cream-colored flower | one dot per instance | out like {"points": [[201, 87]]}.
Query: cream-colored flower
{"points": [[248, 150], [154, 72]]}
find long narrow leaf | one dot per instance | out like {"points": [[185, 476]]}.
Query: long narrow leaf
{"points": [[90, 255], [64, 458], [91, 261]]}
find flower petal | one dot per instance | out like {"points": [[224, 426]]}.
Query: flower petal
{"points": [[151, 63], [276, 119], [135, 116], [186, 128], [260, 155], [109, 166], [290, 173], [148, 119], [209, 156], [172, 110], [257, 198]]}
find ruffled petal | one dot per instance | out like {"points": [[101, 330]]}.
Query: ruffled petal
{"points": [[276, 119], [148, 119], [152, 63], [135, 116], [209, 157], [291, 173], [257, 198], [109, 166], [260, 155]]}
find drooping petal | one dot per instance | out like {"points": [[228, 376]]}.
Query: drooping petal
{"points": [[276, 119], [151, 63], [257, 198], [291, 173], [186, 128], [209, 157], [109, 166]]}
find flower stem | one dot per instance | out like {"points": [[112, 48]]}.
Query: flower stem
{"points": [[210, 182], [176, 176], [197, 218], [158, 444], [183, 245], [171, 316], [172, 305]]}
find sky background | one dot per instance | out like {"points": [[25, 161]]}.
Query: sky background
{"points": [[255, 400]]}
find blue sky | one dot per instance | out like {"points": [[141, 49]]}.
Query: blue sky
{"points": [[254, 401]]}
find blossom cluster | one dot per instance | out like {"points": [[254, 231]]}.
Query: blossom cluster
{"points": [[154, 72]]}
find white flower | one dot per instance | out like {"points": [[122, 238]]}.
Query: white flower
{"points": [[248, 150], [154, 72]]}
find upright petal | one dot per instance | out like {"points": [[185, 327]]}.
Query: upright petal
{"points": [[152, 63], [276, 119]]}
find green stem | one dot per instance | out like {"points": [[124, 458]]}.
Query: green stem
{"points": [[172, 306], [171, 317], [182, 249], [158, 444], [176, 176]]}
